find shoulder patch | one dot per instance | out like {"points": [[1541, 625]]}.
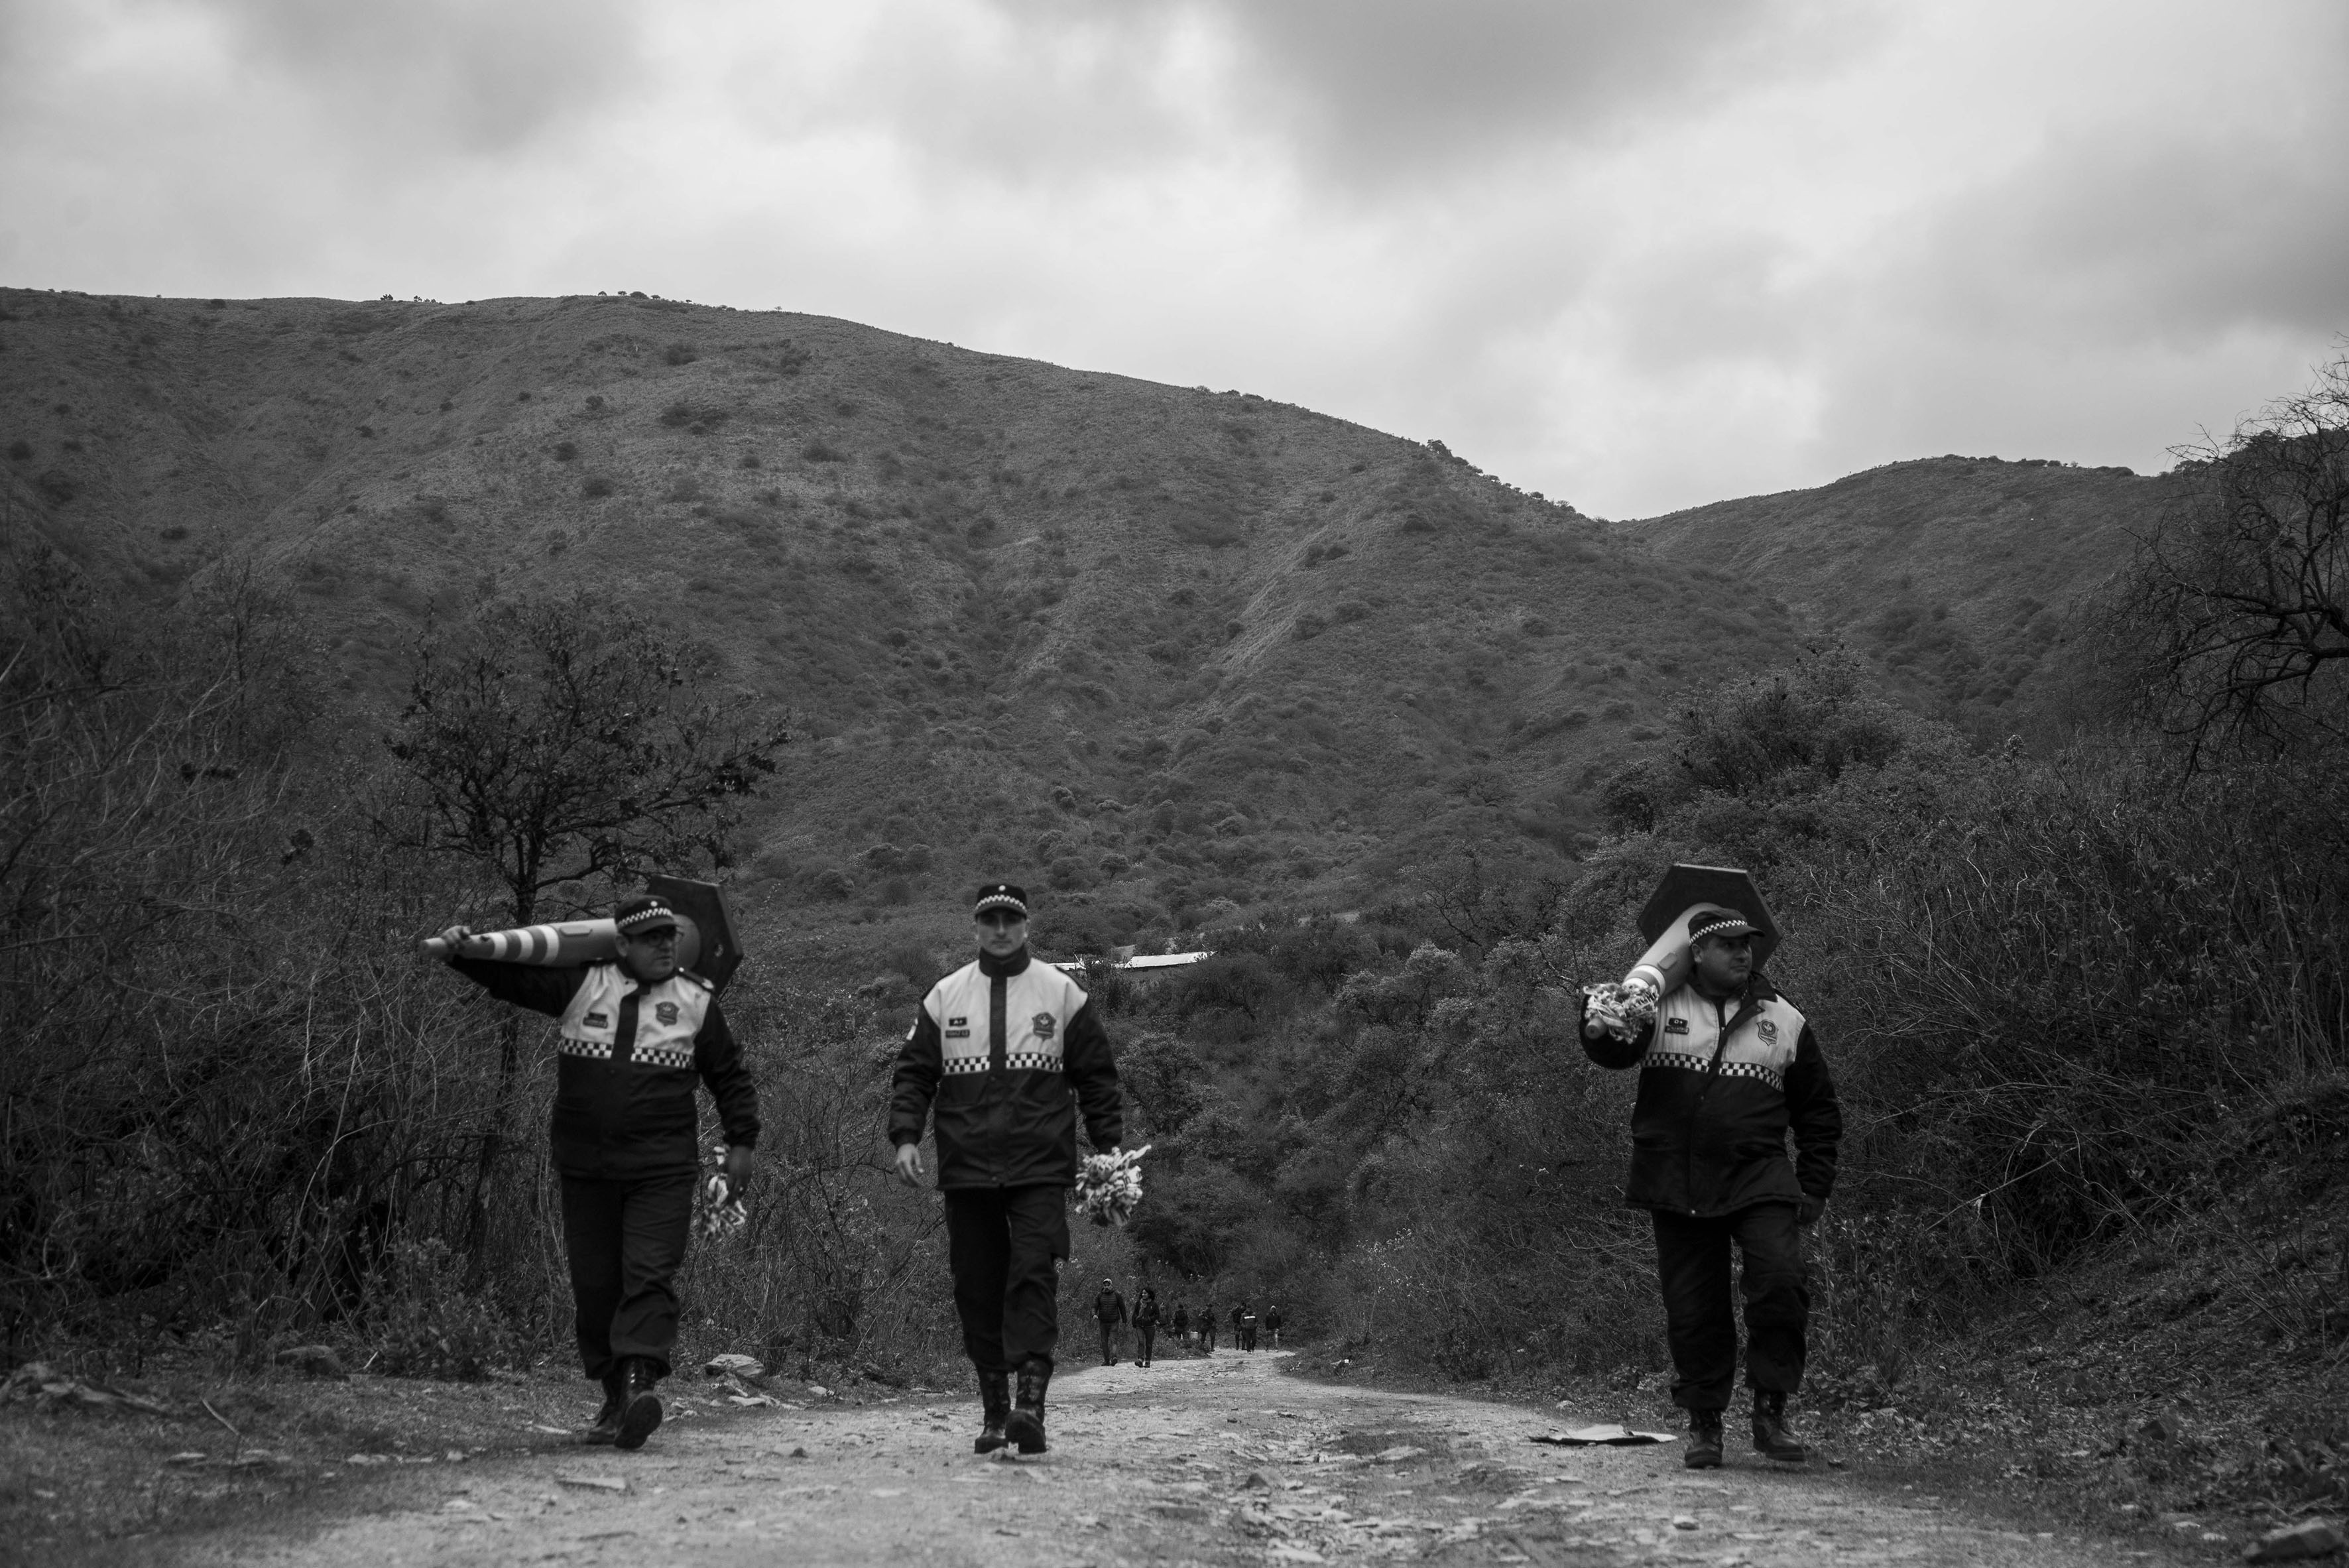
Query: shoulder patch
{"points": [[697, 980]]}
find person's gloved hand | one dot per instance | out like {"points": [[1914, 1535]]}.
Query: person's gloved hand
{"points": [[1807, 1211], [739, 1161]]}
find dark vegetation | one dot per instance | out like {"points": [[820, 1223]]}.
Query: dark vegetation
{"points": [[2085, 996]]}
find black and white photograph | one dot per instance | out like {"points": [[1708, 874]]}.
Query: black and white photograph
{"points": [[1135, 783]]}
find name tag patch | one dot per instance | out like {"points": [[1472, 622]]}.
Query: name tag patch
{"points": [[957, 1034], [1676, 1026], [598, 1021], [956, 1023]]}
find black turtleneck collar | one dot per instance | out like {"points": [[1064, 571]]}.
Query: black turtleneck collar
{"points": [[995, 968], [1757, 988]]}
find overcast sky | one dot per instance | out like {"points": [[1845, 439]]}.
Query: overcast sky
{"points": [[1638, 255]]}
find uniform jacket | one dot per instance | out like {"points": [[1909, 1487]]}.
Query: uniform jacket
{"points": [[1720, 1082], [1005, 1053], [629, 1055]]}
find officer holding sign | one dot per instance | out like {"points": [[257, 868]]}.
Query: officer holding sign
{"points": [[635, 1033], [1727, 1068]]}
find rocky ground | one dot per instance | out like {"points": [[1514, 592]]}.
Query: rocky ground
{"points": [[1219, 1460]]}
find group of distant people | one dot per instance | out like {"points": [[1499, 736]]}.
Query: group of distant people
{"points": [[1191, 1331]]}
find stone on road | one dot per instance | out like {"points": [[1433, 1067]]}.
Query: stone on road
{"points": [[1218, 1461]]}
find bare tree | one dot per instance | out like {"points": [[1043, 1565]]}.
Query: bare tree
{"points": [[2236, 613], [556, 743]]}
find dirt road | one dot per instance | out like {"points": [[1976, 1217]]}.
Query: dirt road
{"points": [[1208, 1461]]}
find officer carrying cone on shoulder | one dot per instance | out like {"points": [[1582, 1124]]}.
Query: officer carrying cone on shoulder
{"points": [[1005, 1052], [1728, 1067], [635, 1033]]}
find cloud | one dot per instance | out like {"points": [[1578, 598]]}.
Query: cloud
{"points": [[408, 75], [1377, 91]]}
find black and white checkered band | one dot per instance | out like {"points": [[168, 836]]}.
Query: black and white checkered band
{"points": [[642, 1055], [1016, 1061], [1728, 1069]]}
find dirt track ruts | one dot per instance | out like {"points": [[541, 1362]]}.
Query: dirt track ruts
{"points": [[1220, 1460]]}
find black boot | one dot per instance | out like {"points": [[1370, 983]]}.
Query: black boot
{"points": [[1772, 1437], [1026, 1426], [995, 1403], [1704, 1441], [640, 1408], [606, 1430]]}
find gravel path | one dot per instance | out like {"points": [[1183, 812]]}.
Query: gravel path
{"points": [[1211, 1461]]}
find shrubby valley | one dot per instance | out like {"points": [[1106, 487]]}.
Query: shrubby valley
{"points": [[2044, 770]]}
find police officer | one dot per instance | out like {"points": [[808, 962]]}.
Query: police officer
{"points": [[634, 1031], [1006, 1051], [1726, 1068]]}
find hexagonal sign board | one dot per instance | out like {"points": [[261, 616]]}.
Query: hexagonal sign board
{"points": [[704, 903], [1685, 887]]}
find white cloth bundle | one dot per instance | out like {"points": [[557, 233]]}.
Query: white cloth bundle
{"points": [[1624, 1009], [721, 1211], [1108, 1186]]}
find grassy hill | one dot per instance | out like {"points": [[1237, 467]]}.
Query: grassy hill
{"points": [[1167, 653], [1954, 575]]}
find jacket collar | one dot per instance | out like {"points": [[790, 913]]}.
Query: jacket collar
{"points": [[995, 968], [1758, 990]]}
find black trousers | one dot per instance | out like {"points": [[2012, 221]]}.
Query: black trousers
{"points": [[1147, 1333], [1002, 1243], [1109, 1340], [625, 1241], [1692, 1263]]}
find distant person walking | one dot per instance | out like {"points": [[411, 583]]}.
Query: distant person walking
{"points": [[1109, 1312], [1182, 1326], [1145, 1326], [1009, 1052], [1208, 1326], [1726, 1068], [1272, 1325], [1247, 1330], [1238, 1313]]}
